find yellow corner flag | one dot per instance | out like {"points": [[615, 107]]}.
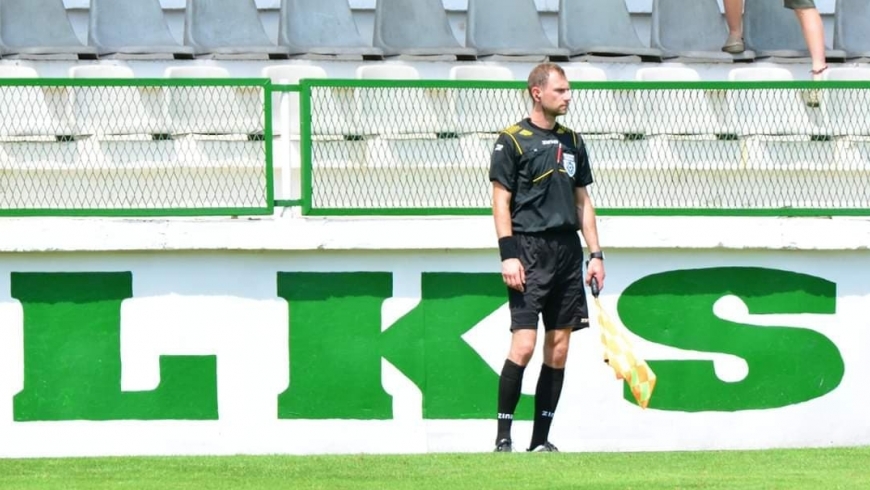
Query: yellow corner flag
{"points": [[619, 354]]}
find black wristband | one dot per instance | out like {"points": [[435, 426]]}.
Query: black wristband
{"points": [[508, 248]]}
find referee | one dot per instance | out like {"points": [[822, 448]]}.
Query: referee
{"points": [[539, 173]]}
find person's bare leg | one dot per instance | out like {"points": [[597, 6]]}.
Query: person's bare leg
{"points": [[734, 19], [814, 35]]}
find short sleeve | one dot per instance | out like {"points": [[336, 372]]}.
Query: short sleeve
{"points": [[503, 164], [584, 170]]}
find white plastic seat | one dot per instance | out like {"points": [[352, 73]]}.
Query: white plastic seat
{"points": [[584, 73], [33, 110], [213, 110], [770, 111], [846, 109], [117, 110], [681, 112], [488, 111], [600, 111], [393, 110]]}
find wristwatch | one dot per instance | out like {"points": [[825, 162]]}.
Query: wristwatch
{"points": [[596, 255]]}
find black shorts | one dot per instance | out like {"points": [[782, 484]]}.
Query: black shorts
{"points": [[554, 283]]}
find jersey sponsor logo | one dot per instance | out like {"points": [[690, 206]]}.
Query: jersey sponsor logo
{"points": [[569, 163], [549, 142]]}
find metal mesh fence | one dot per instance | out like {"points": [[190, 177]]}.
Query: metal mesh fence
{"points": [[133, 147], [423, 147]]}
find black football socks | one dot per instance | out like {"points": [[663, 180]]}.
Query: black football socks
{"points": [[509, 388]]}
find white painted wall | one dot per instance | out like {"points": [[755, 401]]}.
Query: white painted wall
{"points": [[224, 303]]}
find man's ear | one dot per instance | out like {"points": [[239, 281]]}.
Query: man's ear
{"points": [[536, 94]]}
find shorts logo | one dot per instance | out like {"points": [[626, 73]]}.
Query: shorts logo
{"points": [[568, 162]]}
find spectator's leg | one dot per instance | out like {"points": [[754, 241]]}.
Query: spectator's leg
{"points": [[814, 35], [734, 19]]}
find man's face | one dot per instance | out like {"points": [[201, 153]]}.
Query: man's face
{"points": [[555, 95]]}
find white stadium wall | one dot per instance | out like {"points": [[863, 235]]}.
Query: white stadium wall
{"points": [[301, 336]]}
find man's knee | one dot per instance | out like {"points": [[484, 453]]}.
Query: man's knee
{"points": [[522, 346], [556, 347]]}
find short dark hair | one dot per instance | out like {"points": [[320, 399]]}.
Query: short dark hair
{"points": [[541, 74]]}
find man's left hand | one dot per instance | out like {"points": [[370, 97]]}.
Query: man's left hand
{"points": [[595, 268]]}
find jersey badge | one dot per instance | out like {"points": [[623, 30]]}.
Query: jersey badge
{"points": [[569, 163]]}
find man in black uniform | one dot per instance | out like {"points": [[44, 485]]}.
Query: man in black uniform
{"points": [[539, 172]]}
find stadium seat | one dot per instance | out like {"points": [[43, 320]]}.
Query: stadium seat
{"points": [[32, 111], [204, 110], [785, 129], [847, 110], [479, 114], [385, 71], [393, 111], [17, 71], [480, 72], [673, 112], [228, 29], [785, 111], [510, 28], [772, 31], [601, 28], [215, 131], [107, 111], [300, 28], [847, 73], [132, 29], [39, 29], [851, 25], [760, 74], [418, 28], [667, 74], [599, 111], [584, 73], [691, 31]]}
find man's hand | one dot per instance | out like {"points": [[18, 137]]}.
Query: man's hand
{"points": [[514, 274], [595, 269]]}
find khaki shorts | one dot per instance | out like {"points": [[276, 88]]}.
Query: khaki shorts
{"points": [[799, 4]]}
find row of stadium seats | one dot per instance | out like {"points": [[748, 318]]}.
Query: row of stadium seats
{"points": [[681, 29]]}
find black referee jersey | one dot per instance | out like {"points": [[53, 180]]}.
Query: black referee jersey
{"points": [[541, 168]]}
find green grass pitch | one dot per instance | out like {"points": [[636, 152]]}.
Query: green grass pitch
{"points": [[836, 468]]}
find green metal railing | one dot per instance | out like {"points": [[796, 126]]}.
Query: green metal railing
{"points": [[135, 147], [145, 147], [378, 147]]}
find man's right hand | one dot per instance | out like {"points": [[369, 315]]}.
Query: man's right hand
{"points": [[514, 274]]}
